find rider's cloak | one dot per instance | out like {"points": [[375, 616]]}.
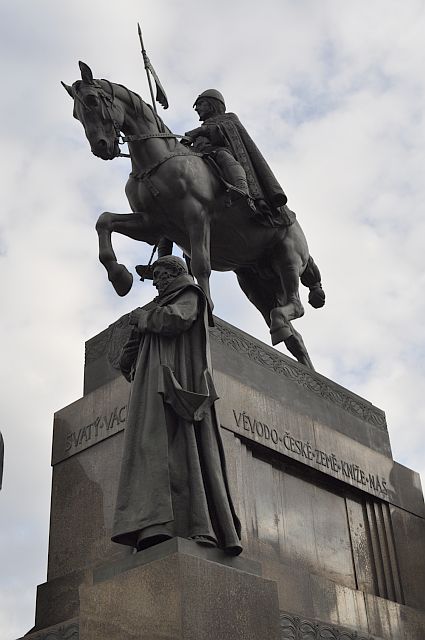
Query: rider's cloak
{"points": [[228, 131], [173, 478]]}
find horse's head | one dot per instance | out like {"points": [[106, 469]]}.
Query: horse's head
{"points": [[100, 114]]}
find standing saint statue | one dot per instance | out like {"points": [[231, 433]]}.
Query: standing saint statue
{"points": [[173, 478]]}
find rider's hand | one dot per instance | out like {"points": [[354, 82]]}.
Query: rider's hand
{"points": [[186, 141]]}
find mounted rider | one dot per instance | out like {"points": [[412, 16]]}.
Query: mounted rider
{"points": [[223, 138]]}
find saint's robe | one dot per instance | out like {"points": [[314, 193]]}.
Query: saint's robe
{"points": [[173, 476]]}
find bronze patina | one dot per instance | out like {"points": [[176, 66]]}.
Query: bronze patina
{"points": [[173, 474], [175, 194]]}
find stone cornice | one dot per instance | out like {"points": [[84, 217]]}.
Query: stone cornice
{"points": [[293, 627], [65, 631], [288, 368], [109, 344]]}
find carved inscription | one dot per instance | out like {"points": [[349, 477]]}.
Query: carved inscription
{"points": [[262, 430], [305, 450], [94, 430]]}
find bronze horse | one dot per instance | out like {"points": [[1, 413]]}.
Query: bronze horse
{"points": [[173, 193]]}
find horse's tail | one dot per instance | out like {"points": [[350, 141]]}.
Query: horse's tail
{"points": [[311, 278]]}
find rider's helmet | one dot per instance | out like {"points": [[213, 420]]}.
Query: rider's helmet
{"points": [[211, 93]]}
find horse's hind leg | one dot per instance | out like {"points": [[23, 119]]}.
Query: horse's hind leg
{"points": [[288, 305], [289, 262], [311, 278], [262, 293], [257, 291], [295, 345]]}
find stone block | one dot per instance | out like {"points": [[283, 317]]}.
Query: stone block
{"points": [[332, 528], [67, 630], [409, 534], [244, 358], [393, 621], [180, 597], [84, 489], [58, 599]]}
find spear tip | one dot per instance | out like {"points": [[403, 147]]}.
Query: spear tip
{"points": [[140, 36]]}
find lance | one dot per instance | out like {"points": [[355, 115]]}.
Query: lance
{"points": [[160, 93]]}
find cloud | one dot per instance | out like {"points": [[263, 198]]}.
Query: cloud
{"points": [[333, 93]]}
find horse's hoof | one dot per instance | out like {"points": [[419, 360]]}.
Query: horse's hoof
{"points": [[280, 329], [280, 335], [296, 346], [121, 279], [316, 297]]}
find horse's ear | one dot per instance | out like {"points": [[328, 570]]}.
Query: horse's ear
{"points": [[86, 73], [68, 89]]}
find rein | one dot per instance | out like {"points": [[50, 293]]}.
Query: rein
{"points": [[109, 98], [143, 175], [139, 138], [146, 136]]}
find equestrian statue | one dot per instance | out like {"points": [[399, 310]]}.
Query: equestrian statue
{"points": [[212, 194]]}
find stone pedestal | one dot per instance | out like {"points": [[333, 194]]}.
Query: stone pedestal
{"points": [[333, 528], [174, 593]]}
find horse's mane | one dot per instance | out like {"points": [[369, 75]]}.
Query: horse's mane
{"points": [[140, 107]]}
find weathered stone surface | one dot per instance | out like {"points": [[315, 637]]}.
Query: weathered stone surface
{"points": [[67, 630], [336, 547], [112, 568], [277, 424], [83, 499], [58, 599], [302, 628], [393, 621], [178, 597], [231, 346], [247, 359], [409, 534], [90, 420], [280, 425]]}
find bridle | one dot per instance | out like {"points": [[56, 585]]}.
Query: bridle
{"points": [[107, 101]]}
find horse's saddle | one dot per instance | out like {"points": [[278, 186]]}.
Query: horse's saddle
{"points": [[265, 215]]}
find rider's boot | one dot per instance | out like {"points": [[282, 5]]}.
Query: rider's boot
{"points": [[235, 175], [165, 247]]}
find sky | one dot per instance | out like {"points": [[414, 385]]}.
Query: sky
{"points": [[333, 93]]}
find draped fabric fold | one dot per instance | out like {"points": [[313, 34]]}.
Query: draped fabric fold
{"points": [[173, 476]]}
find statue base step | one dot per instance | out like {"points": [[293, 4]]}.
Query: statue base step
{"points": [[176, 590], [179, 595], [329, 519]]}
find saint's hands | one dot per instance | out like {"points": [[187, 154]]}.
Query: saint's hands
{"points": [[138, 318]]}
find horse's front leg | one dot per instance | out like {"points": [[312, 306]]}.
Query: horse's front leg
{"points": [[129, 224], [198, 224]]}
